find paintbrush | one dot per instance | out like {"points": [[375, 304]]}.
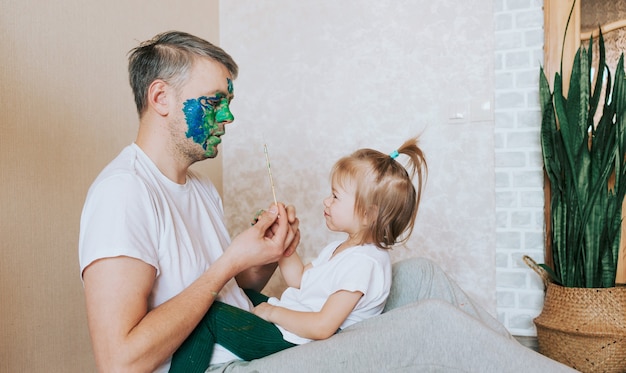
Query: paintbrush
{"points": [[269, 172]]}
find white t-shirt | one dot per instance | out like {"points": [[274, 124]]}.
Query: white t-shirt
{"points": [[133, 210], [360, 268]]}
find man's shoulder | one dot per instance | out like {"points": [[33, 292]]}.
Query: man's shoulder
{"points": [[124, 162], [122, 174]]}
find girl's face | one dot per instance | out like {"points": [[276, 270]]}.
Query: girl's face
{"points": [[339, 209]]}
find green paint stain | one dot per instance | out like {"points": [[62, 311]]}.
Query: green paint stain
{"points": [[203, 116]]}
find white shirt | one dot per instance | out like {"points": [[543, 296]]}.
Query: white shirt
{"points": [[360, 268], [133, 210]]}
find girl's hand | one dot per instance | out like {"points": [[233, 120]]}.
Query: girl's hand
{"points": [[293, 234], [263, 310]]}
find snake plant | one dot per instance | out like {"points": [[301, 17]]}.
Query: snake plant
{"points": [[585, 160]]}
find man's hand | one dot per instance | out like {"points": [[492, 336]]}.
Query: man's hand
{"points": [[293, 236], [255, 275], [255, 246]]}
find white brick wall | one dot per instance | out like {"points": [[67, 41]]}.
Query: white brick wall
{"points": [[518, 164]]}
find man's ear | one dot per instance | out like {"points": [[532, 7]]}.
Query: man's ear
{"points": [[158, 97]]}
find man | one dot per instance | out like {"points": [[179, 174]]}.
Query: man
{"points": [[153, 248]]}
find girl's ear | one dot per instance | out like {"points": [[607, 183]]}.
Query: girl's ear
{"points": [[158, 97], [370, 216]]}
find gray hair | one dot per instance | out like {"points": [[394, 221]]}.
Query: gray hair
{"points": [[169, 56]]}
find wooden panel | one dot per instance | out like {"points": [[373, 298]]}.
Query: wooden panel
{"points": [[556, 13]]}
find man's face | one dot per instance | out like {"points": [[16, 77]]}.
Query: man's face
{"points": [[207, 111]]}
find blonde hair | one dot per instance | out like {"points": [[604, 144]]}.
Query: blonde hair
{"points": [[385, 194]]}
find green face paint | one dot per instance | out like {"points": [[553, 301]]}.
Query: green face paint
{"points": [[222, 111], [204, 115]]}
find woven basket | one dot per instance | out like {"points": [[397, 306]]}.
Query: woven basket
{"points": [[584, 328]]}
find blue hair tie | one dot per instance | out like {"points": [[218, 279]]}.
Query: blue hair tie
{"points": [[394, 154]]}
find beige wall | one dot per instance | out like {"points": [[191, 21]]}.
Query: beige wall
{"points": [[65, 111]]}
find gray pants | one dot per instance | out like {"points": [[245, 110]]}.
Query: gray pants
{"points": [[429, 325]]}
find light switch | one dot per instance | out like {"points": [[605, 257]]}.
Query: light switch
{"points": [[458, 113], [481, 110]]}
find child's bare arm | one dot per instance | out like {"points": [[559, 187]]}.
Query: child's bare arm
{"points": [[313, 325], [292, 268]]}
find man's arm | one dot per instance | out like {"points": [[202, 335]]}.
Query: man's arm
{"points": [[256, 277], [125, 336], [128, 338]]}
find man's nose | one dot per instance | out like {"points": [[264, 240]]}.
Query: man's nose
{"points": [[224, 116]]}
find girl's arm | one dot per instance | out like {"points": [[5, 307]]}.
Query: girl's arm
{"points": [[292, 268], [313, 325]]}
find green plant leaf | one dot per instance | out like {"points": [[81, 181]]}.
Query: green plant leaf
{"points": [[585, 160]]}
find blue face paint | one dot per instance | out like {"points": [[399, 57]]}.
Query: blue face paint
{"points": [[230, 86], [203, 116]]}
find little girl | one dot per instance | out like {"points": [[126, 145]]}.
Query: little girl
{"points": [[374, 202]]}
